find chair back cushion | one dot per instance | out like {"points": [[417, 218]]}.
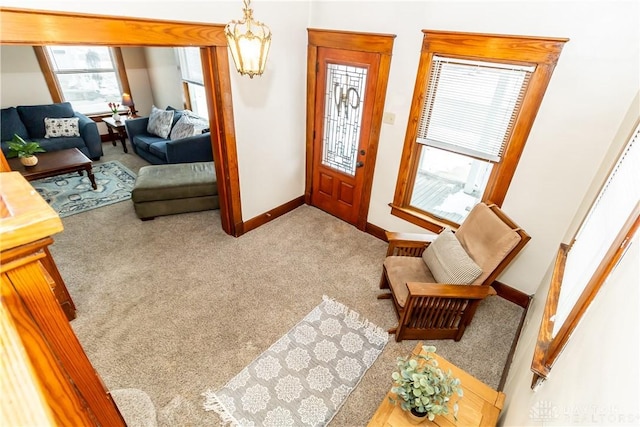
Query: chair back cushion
{"points": [[487, 239], [448, 261]]}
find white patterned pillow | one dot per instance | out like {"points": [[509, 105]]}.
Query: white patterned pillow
{"points": [[61, 127], [160, 122], [183, 128], [449, 262]]}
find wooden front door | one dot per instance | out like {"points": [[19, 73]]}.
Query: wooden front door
{"points": [[346, 103]]}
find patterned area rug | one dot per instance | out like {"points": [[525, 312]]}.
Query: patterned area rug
{"points": [[71, 193], [304, 378]]}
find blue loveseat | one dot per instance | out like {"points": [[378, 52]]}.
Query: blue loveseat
{"points": [[28, 122], [157, 150]]}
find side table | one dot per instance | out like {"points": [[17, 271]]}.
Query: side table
{"points": [[480, 405], [116, 129]]}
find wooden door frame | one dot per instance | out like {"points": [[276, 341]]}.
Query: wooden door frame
{"points": [[363, 42], [38, 28]]}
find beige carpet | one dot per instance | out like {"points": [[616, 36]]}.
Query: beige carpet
{"points": [[174, 306]]}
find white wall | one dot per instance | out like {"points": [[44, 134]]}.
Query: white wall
{"points": [[22, 82], [594, 82], [164, 79]]}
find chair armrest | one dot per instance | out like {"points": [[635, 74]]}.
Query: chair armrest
{"points": [[417, 289], [191, 149], [136, 126], [90, 134], [408, 244]]}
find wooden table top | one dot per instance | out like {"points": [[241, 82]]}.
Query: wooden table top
{"points": [[111, 122], [480, 405], [51, 162]]}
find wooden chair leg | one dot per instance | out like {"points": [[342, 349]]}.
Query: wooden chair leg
{"points": [[384, 283], [384, 296]]}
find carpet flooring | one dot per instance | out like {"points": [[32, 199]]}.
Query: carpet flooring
{"points": [[174, 306]]}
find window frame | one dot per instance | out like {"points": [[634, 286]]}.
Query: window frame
{"points": [[549, 347], [188, 83], [540, 52], [52, 80]]}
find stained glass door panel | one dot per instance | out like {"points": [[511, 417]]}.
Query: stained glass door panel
{"points": [[344, 101]]}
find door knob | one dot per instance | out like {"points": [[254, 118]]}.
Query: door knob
{"points": [[359, 164]]}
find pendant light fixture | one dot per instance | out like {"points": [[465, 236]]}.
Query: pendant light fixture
{"points": [[249, 42]]}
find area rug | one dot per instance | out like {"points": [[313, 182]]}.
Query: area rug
{"points": [[71, 193], [304, 378]]}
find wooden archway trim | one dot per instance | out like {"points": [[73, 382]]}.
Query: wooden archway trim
{"points": [[38, 28]]}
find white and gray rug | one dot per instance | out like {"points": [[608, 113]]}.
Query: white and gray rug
{"points": [[304, 378], [71, 193]]}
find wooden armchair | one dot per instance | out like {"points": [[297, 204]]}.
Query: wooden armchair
{"points": [[466, 263]]}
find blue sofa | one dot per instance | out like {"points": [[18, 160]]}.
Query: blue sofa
{"points": [[158, 151], [27, 121]]}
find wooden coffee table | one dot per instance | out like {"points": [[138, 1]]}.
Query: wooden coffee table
{"points": [[479, 406], [55, 163]]}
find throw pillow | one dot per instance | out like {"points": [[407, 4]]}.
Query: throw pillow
{"points": [[55, 128], [449, 262], [160, 122], [184, 128]]}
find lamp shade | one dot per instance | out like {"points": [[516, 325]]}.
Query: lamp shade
{"points": [[127, 100], [249, 43]]}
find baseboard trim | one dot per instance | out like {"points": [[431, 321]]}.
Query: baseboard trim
{"points": [[272, 214], [375, 231], [511, 294]]}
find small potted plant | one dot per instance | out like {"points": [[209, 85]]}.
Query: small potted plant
{"points": [[424, 389], [25, 150]]}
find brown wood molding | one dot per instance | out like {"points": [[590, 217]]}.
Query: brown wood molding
{"points": [[376, 231], [512, 294], [272, 214], [37, 27]]}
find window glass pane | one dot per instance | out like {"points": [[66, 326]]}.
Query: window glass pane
{"points": [[190, 64], [87, 76], [90, 92], [448, 184], [198, 100], [344, 99]]}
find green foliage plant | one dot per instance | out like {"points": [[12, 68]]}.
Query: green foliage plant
{"points": [[424, 387], [21, 148]]}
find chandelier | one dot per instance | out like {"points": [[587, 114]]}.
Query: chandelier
{"points": [[249, 42]]}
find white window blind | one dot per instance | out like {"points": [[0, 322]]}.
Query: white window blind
{"points": [[471, 106], [609, 212]]}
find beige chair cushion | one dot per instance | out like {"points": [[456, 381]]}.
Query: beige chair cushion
{"points": [[486, 238], [403, 269], [448, 261]]}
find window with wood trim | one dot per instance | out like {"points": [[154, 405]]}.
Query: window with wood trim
{"points": [[192, 80], [583, 266], [89, 77], [475, 100]]}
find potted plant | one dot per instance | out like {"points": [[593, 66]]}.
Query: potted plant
{"points": [[25, 150], [424, 389]]}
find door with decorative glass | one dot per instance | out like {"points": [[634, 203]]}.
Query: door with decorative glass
{"points": [[344, 101]]}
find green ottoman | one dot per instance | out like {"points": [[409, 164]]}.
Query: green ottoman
{"points": [[175, 188]]}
